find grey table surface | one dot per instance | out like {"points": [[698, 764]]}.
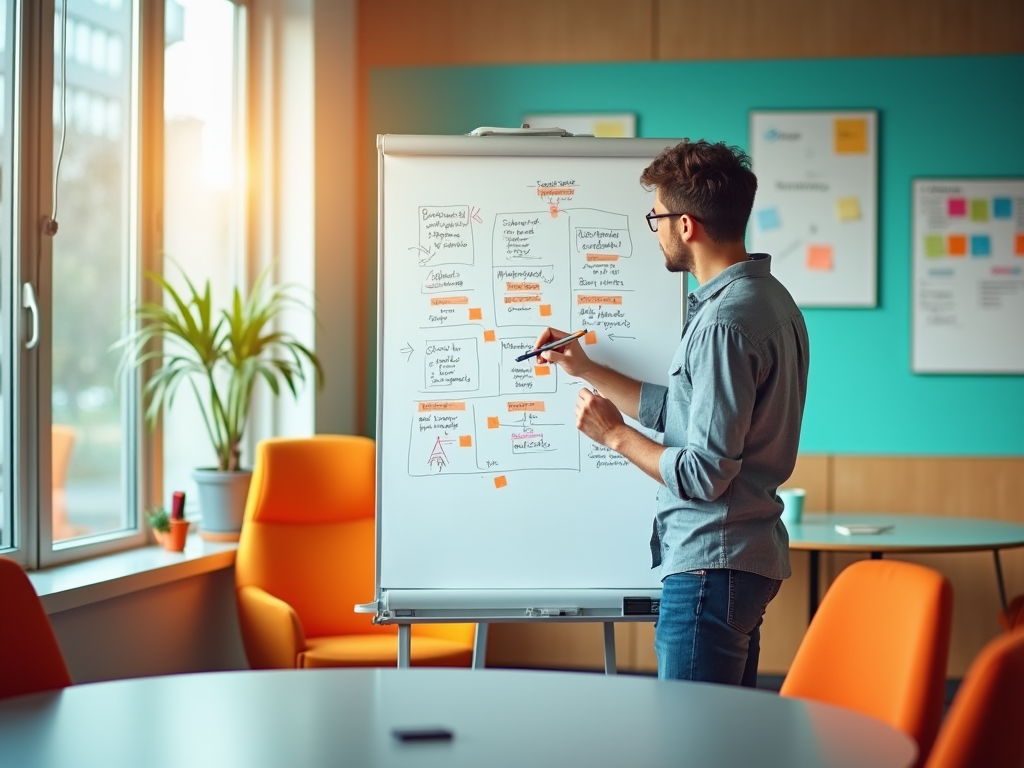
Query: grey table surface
{"points": [[909, 533], [336, 717]]}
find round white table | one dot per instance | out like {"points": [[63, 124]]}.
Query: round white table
{"points": [[817, 533], [331, 717]]}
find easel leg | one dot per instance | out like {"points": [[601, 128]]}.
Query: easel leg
{"points": [[480, 645], [404, 645], [609, 648]]}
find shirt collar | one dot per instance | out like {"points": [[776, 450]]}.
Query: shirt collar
{"points": [[758, 265]]}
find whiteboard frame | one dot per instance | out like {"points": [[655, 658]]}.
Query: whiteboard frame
{"points": [[869, 298], [411, 606], [948, 370]]}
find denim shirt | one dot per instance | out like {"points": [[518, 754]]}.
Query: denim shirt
{"points": [[730, 418]]}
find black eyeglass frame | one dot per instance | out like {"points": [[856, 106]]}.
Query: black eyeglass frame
{"points": [[652, 218]]}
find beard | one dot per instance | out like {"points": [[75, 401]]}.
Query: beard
{"points": [[678, 257]]}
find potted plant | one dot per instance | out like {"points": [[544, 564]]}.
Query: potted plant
{"points": [[220, 355], [168, 530]]}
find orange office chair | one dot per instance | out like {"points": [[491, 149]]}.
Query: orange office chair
{"points": [[983, 726], [306, 557], [30, 659], [879, 644], [1013, 617]]}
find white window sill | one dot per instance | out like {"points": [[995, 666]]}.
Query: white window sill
{"points": [[101, 578]]}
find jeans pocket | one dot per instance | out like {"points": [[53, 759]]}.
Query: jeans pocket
{"points": [[749, 595]]}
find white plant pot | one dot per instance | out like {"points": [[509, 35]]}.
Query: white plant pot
{"points": [[222, 497]]}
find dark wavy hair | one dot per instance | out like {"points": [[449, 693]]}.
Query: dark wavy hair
{"points": [[711, 182]]}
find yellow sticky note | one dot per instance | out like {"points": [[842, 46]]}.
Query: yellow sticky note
{"points": [[492, 422], [851, 135], [545, 310], [542, 370], [500, 481], [475, 313], [609, 129], [819, 257], [465, 441], [489, 336], [848, 209]]}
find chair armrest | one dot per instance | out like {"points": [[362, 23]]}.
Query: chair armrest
{"points": [[271, 629]]}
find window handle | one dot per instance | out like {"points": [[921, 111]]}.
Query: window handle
{"points": [[28, 301]]}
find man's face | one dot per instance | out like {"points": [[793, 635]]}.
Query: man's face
{"points": [[678, 255]]}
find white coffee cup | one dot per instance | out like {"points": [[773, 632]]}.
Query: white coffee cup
{"points": [[793, 504]]}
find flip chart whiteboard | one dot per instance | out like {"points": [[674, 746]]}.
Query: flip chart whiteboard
{"points": [[489, 498], [816, 206], [968, 276]]}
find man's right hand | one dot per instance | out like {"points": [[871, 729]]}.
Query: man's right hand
{"points": [[570, 358]]}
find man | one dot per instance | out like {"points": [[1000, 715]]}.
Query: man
{"points": [[730, 418]]}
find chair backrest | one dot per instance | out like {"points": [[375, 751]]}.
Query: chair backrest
{"points": [[879, 644], [308, 537], [984, 724], [30, 658]]}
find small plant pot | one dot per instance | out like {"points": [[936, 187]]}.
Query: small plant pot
{"points": [[174, 541], [160, 536]]}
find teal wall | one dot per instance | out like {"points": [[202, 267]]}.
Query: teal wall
{"points": [[938, 116]]}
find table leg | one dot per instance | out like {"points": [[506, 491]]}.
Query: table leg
{"points": [[999, 580], [480, 645], [404, 645], [609, 648], [876, 555], [812, 581]]}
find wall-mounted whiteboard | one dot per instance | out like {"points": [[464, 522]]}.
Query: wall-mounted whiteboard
{"points": [[485, 485], [968, 276], [816, 209]]}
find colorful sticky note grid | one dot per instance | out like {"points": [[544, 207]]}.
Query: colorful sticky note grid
{"points": [[465, 441], [1018, 244], [590, 337], [489, 336], [934, 246], [475, 313], [542, 370], [979, 210], [956, 206], [851, 135], [500, 481], [819, 257], [956, 245], [545, 310], [1002, 207], [981, 245], [768, 219], [492, 422]]}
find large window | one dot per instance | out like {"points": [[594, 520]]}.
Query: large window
{"points": [[77, 144]]}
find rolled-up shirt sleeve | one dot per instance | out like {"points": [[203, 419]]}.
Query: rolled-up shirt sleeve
{"points": [[651, 410], [725, 367]]}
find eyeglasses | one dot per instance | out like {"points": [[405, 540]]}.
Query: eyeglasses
{"points": [[652, 218]]}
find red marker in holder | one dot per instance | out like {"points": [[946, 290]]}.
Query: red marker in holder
{"points": [[178, 505]]}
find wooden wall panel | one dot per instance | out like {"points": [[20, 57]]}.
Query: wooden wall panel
{"points": [[455, 32], [793, 29]]}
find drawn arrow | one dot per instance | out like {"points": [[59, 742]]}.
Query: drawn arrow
{"points": [[474, 214], [426, 252], [407, 350], [614, 336]]}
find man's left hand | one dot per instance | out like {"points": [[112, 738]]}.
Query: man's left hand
{"points": [[598, 418]]}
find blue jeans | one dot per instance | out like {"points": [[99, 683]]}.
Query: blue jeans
{"points": [[709, 626]]}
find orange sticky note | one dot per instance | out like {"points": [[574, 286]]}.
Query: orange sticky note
{"points": [[475, 313], [492, 422], [956, 245], [819, 257], [545, 310], [542, 370], [500, 481], [851, 135], [1018, 248], [465, 441], [489, 336], [590, 338]]}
